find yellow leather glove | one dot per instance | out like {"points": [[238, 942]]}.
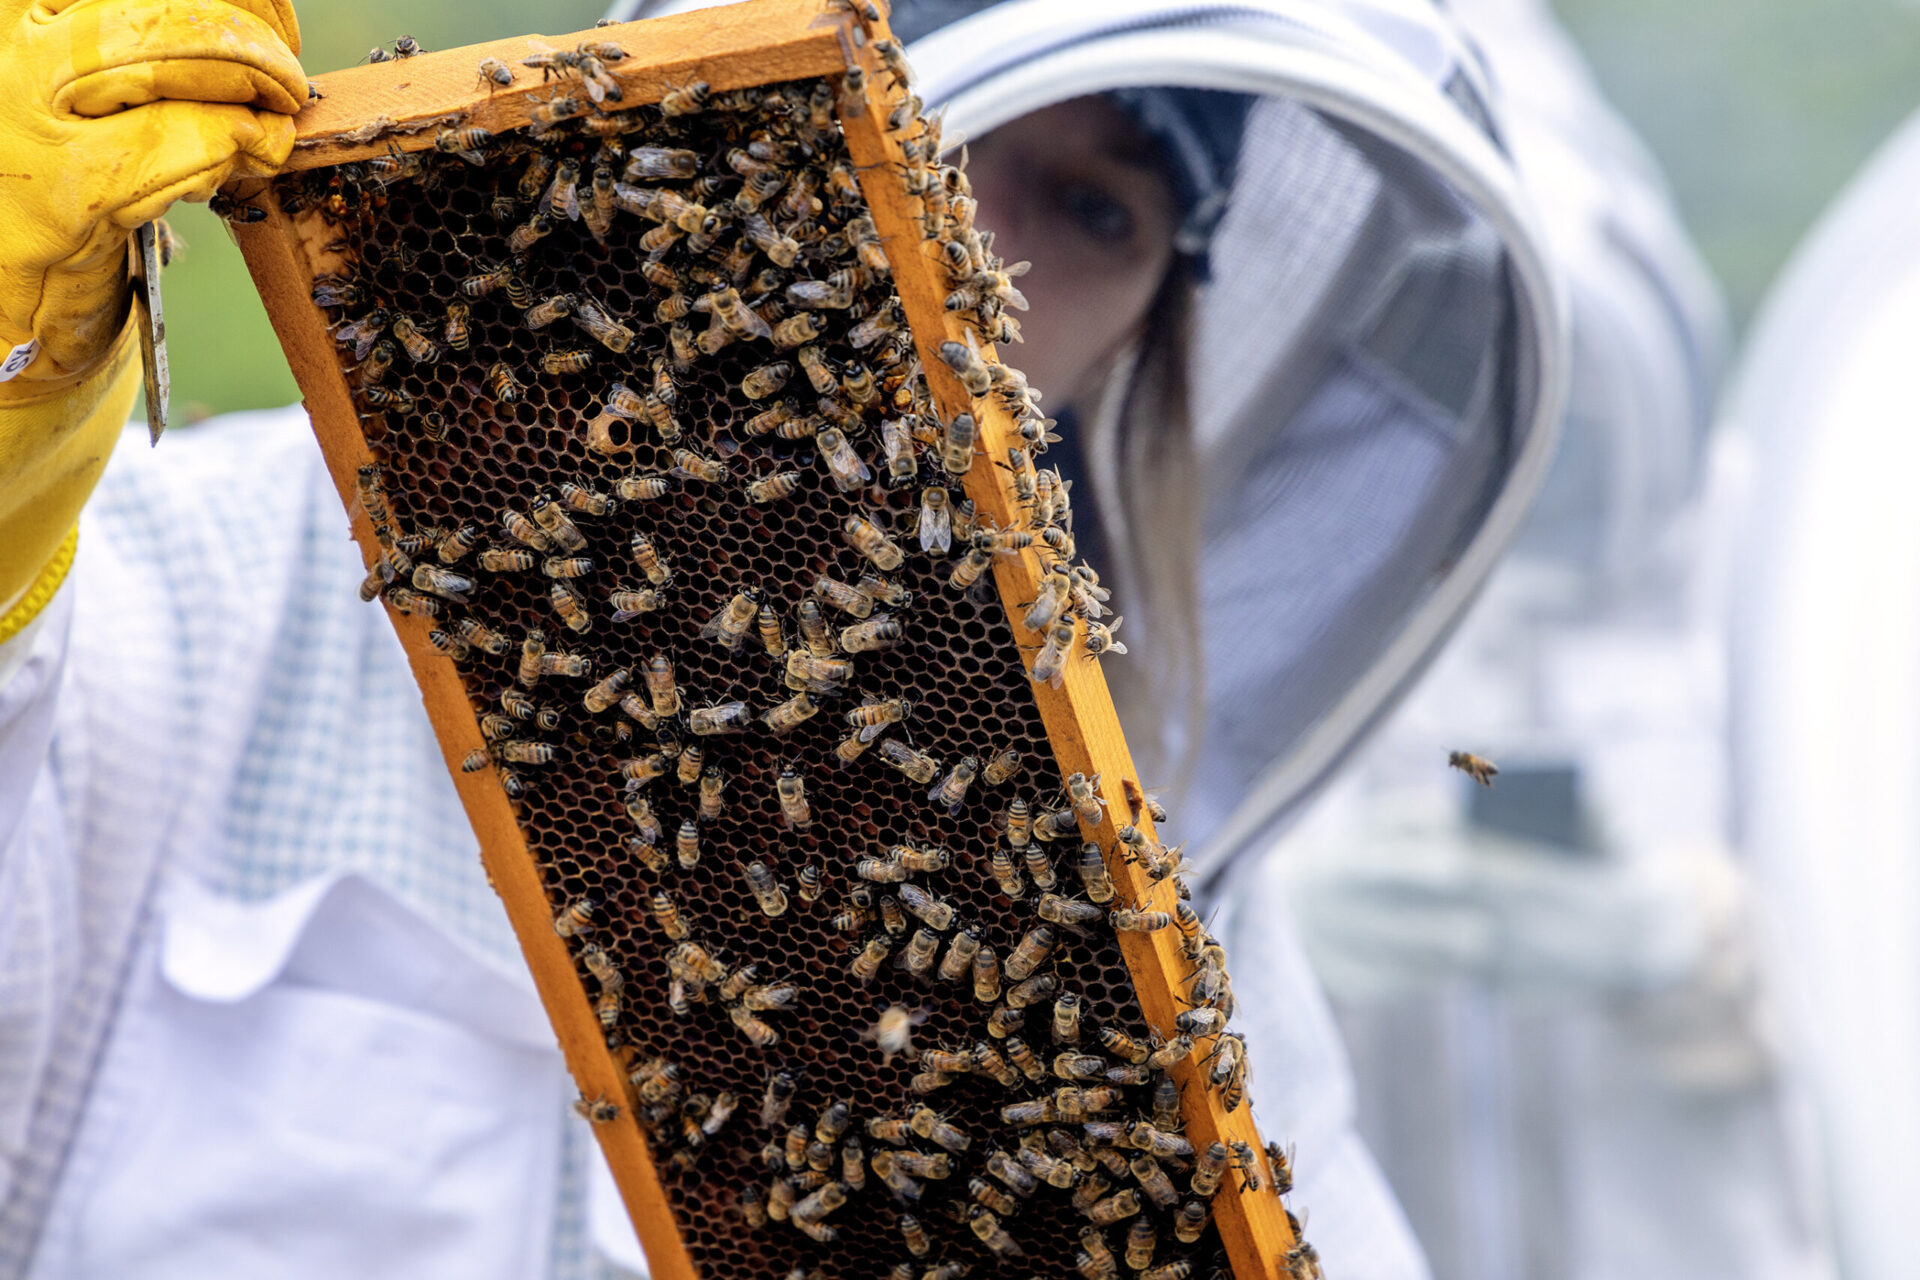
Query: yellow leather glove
{"points": [[110, 110]]}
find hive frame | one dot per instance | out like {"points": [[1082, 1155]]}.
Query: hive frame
{"points": [[369, 110]]}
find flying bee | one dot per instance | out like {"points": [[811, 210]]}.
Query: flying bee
{"points": [[1481, 770], [766, 889], [688, 99], [650, 561], [841, 461], [731, 622], [892, 1034], [792, 789], [787, 716]]}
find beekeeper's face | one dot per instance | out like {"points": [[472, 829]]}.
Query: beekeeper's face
{"points": [[1075, 190]]}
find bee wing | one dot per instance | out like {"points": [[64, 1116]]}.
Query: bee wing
{"points": [[936, 529]]}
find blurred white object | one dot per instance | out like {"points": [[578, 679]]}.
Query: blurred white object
{"points": [[1551, 989], [1825, 436]]}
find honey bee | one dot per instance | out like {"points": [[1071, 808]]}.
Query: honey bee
{"points": [[787, 716], [642, 487], [387, 398], [757, 1030], [793, 799], [449, 644], [795, 331], [375, 367], [629, 604], [1010, 1172], [766, 380], [1481, 770], [814, 631], [967, 570], [987, 1227], [691, 466], [923, 948], [1032, 952], [571, 609], [741, 320], [957, 444], [848, 599], [809, 674], [843, 464], [688, 99], [1019, 823], [502, 385], [813, 362], [443, 582], [661, 162], [1049, 665], [651, 562], [730, 623], [600, 326], [766, 889], [1002, 768], [567, 566], [557, 109], [692, 764], [951, 791], [1067, 911], [667, 915], [866, 965], [872, 542], [881, 631], [916, 764]]}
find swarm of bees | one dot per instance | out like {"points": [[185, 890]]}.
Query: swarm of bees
{"points": [[656, 461]]}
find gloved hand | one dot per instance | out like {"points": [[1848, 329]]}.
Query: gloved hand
{"points": [[110, 110]]}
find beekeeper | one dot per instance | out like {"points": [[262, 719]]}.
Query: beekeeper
{"points": [[1320, 366], [1827, 622]]}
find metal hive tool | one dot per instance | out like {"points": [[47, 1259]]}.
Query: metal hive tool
{"points": [[640, 890]]}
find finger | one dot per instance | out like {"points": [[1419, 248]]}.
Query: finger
{"points": [[166, 151], [277, 14], [185, 50]]}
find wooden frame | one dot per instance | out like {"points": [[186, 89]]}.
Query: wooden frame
{"points": [[402, 105]]}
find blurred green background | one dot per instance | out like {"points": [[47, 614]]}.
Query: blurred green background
{"points": [[1759, 109]]}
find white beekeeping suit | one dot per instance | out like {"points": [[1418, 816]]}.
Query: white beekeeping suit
{"points": [[1551, 989], [1821, 427]]}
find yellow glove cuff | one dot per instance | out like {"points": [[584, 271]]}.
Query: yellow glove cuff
{"points": [[53, 446], [41, 590]]}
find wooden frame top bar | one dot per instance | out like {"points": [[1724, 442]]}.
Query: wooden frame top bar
{"points": [[369, 110]]}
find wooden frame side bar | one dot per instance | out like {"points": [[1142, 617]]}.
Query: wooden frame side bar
{"points": [[405, 103], [283, 264], [1080, 718]]}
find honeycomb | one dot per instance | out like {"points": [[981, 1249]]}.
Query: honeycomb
{"points": [[464, 458]]}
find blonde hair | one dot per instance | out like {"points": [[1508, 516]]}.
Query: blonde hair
{"points": [[1149, 413]]}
